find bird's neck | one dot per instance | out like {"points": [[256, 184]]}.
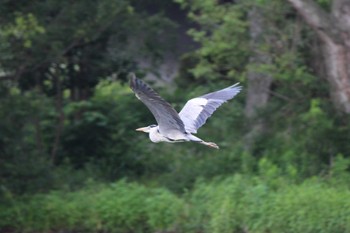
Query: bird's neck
{"points": [[156, 136]]}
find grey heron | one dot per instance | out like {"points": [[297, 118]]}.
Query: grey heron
{"points": [[179, 127]]}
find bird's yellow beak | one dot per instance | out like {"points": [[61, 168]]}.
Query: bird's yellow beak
{"points": [[143, 129]]}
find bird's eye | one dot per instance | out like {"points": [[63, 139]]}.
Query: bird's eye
{"points": [[152, 126]]}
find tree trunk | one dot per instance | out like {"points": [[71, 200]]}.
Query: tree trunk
{"points": [[258, 82], [333, 30]]}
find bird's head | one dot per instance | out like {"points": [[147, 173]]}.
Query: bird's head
{"points": [[146, 129]]}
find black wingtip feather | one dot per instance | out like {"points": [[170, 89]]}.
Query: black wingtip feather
{"points": [[137, 84]]}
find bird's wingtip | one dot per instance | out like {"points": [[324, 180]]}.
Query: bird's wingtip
{"points": [[236, 86], [131, 76], [132, 79]]}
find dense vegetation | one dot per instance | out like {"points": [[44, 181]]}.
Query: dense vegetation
{"points": [[235, 204], [70, 160]]}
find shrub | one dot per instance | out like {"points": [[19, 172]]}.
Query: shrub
{"points": [[235, 204], [239, 204], [120, 207]]}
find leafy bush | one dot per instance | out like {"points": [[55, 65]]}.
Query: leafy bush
{"points": [[239, 204], [234, 204], [120, 207]]}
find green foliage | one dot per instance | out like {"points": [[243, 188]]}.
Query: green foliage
{"points": [[23, 166], [53, 56], [234, 204], [82, 42], [239, 204], [339, 171], [119, 207], [325, 4], [308, 203], [223, 38], [101, 131], [24, 28]]}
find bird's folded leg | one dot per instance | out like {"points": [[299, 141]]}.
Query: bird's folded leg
{"points": [[210, 144]]}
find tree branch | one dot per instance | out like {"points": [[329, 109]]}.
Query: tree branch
{"points": [[317, 18]]}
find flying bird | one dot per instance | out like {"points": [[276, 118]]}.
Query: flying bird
{"points": [[179, 127]]}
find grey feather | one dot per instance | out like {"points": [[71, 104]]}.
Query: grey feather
{"points": [[166, 116], [194, 114]]}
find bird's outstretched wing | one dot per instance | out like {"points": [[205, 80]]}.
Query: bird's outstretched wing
{"points": [[166, 116], [197, 110]]}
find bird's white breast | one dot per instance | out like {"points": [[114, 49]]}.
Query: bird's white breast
{"points": [[155, 136], [174, 136]]}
